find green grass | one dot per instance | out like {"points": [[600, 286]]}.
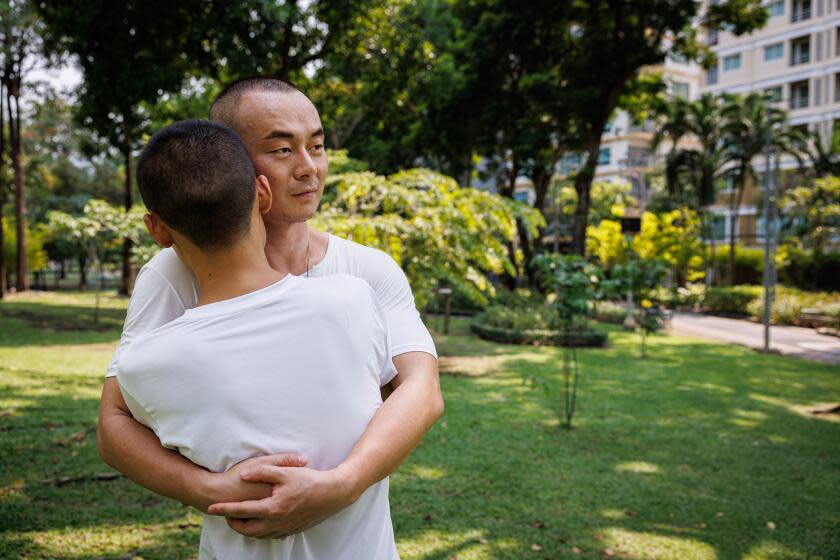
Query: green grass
{"points": [[688, 454]]}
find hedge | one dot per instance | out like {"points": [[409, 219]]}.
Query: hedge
{"points": [[539, 337], [803, 269]]}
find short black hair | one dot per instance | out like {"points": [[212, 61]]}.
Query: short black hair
{"points": [[198, 178], [223, 109]]}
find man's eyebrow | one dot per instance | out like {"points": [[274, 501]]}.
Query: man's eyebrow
{"points": [[278, 134], [288, 135]]}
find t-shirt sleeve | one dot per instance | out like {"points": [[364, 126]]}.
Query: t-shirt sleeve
{"points": [[408, 333], [154, 303]]}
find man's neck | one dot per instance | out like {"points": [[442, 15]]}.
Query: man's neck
{"points": [[232, 273], [293, 247]]}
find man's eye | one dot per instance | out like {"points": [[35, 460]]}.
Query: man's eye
{"points": [[318, 147], [282, 151]]}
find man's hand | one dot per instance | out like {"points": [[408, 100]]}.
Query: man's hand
{"points": [[300, 499], [230, 486]]}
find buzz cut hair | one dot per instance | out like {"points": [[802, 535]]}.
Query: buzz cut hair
{"points": [[224, 107], [198, 178]]}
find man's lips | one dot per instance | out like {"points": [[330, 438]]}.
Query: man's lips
{"points": [[304, 193]]}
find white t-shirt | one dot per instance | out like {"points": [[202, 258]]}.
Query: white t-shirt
{"points": [[294, 367], [165, 288]]}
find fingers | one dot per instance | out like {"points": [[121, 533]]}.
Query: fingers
{"points": [[285, 460], [256, 528], [244, 510], [268, 474]]}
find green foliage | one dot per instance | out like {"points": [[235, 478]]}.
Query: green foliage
{"points": [[572, 283], [538, 337], [809, 270], [730, 299], [520, 318], [814, 212], [434, 229], [101, 227], [35, 254], [340, 163], [608, 199]]}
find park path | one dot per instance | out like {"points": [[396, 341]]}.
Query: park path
{"points": [[792, 341]]}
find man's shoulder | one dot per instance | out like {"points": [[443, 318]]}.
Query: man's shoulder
{"points": [[161, 347], [361, 260], [167, 270]]}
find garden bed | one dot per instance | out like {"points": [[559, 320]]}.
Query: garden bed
{"points": [[539, 337]]}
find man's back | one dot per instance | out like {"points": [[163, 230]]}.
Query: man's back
{"points": [[295, 367]]}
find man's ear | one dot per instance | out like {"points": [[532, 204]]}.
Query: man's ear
{"points": [[158, 230], [264, 196]]}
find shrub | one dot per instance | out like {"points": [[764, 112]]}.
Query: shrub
{"points": [[785, 309], [539, 337], [689, 296], [749, 264], [733, 299], [609, 312], [522, 318], [808, 270]]}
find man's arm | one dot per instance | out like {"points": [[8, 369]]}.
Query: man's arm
{"points": [[302, 497], [134, 450]]}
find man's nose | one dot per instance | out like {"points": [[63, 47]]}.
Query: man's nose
{"points": [[305, 166]]}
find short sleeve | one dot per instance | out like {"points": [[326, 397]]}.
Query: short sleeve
{"points": [[408, 333], [154, 303]]}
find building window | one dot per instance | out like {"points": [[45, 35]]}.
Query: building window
{"points": [[774, 52], [801, 10], [679, 89], [732, 62], [713, 37], [837, 38], [719, 228], [604, 156], [837, 87], [800, 50], [799, 93], [712, 76], [773, 94], [678, 57], [776, 8]]}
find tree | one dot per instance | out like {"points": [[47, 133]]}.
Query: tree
{"points": [[612, 40], [814, 212], [673, 237], [823, 155], [751, 126], [436, 230], [692, 170], [19, 40]]}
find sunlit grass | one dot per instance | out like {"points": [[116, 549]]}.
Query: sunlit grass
{"points": [[700, 451]]}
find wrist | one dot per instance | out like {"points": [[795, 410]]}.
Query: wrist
{"points": [[203, 490], [350, 484]]}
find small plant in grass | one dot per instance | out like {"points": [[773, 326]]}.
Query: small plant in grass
{"points": [[651, 318], [571, 283]]}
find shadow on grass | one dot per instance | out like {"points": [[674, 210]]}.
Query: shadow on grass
{"points": [[689, 453]]}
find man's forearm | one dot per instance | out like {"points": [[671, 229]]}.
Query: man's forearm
{"points": [[399, 424]]}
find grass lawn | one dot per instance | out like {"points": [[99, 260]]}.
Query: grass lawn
{"points": [[700, 451]]}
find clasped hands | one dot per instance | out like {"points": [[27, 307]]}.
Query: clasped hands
{"points": [[274, 496]]}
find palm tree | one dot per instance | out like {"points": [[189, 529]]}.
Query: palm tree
{"points": [[697, 165], [749, 123], [823, 156]]}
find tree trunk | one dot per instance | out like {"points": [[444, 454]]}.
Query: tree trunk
{"points": [[127, 271], [583, 185], [82, 258], [2, 249], [22, 272], [3, 286], [734, 207]]}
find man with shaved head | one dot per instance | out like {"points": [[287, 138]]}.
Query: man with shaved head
{"points": [[277, 495]]}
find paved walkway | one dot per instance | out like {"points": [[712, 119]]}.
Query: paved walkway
{"points": [[793, 341]]}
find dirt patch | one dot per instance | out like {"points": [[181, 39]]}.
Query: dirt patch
{"points": [[468, 366], [823, 411]]}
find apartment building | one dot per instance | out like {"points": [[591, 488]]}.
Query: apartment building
{"points": [[626, 153], [794, 59]]}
